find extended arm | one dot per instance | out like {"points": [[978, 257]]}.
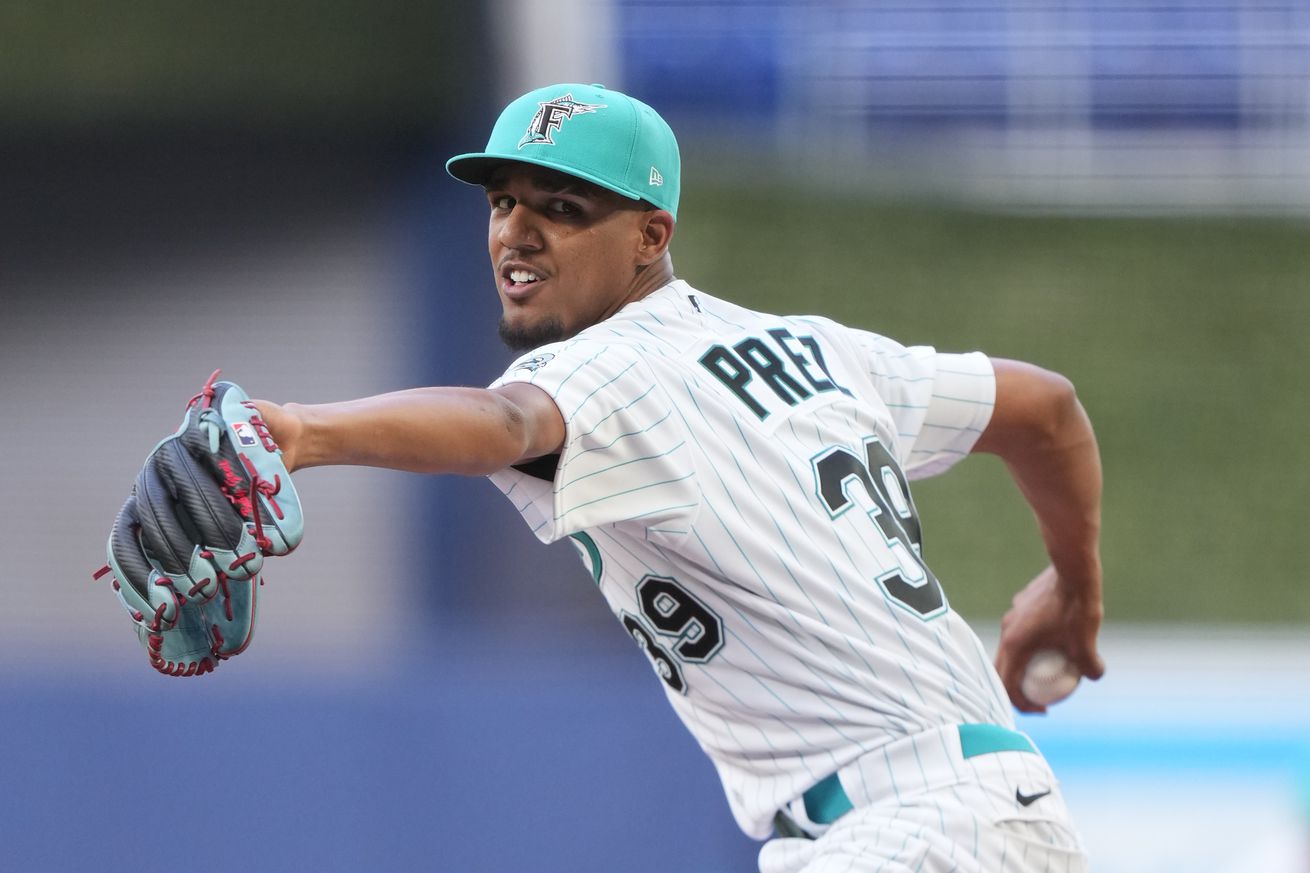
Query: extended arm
{"points": [[1041, 432], [473, 431]]}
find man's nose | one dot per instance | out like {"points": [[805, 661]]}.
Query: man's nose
{"points": [[518, 229]]}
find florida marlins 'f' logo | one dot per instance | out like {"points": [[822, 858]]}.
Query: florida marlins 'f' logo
{"points": [[550, 115]]}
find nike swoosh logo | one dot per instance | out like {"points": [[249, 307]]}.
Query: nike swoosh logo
{"points": [[1029, 799]]}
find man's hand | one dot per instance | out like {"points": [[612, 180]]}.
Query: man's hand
{"points": [[286, 428], [1050, 613]]}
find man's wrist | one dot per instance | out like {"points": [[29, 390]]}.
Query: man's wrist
{"points": [[1078, 572], [294, 437]]}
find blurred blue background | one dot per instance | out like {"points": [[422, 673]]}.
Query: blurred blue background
{"points": [[1119, 191]]}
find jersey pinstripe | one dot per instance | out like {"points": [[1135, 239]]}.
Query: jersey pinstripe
{"points": [[736, 482]]}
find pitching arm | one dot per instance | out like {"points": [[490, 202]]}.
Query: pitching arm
{"points": [[472, 431], [1043, 435]]}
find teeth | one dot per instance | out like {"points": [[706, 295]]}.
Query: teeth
{"points": [[522, 276]]}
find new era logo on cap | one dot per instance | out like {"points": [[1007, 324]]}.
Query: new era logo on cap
{"points": [[655, 177]]}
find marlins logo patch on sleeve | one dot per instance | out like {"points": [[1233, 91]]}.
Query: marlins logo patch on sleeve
{"points": [[534, 364]]}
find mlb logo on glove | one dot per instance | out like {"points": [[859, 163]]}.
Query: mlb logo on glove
{"points": [[245, 434]]}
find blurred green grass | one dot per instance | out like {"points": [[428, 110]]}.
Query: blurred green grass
{"points": [[1186, 338]]}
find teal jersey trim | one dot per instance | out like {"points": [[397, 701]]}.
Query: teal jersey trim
{"points": [[593, 552], [827, 801], [982, 739]]}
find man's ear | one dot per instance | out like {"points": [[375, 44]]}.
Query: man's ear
{"points": [[656, 233]]}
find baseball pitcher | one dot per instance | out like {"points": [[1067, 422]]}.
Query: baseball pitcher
{"points": [[738, 486]]}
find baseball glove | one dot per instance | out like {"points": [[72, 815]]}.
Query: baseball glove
{"points": [[212, 501]]}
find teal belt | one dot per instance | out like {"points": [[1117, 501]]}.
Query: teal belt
{"points": [[827, 801]]}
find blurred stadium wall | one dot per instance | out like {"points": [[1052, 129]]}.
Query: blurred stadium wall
{"points": [[1077, 105], [1117, 190]]}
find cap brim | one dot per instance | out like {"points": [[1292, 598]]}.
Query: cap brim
{"points": [[475, 167]]}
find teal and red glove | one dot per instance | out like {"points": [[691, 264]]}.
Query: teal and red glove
{"points": [[212, 501]]}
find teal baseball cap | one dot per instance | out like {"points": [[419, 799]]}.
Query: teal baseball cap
{"points": [[587, 131]]}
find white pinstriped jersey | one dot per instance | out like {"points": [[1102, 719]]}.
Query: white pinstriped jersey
{"points": [[735, 481]]}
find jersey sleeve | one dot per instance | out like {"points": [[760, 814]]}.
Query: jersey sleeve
{"points": [[940, 402], [626, 456]]}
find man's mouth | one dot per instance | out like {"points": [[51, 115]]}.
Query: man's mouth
{"points": [[518, 278], [520, 283]]}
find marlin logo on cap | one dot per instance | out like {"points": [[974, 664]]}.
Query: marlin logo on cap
{"points": [[550, 115]]}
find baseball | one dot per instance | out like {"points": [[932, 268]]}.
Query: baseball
{"points": [[1050, 678]]}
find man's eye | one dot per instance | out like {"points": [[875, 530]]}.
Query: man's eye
{"points": [[564, 207], [505, 202]]}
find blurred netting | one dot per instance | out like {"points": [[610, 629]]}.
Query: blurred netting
{"points": [[1086, 104]]}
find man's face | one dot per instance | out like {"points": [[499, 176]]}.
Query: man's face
{"points": [[563, 252]]}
